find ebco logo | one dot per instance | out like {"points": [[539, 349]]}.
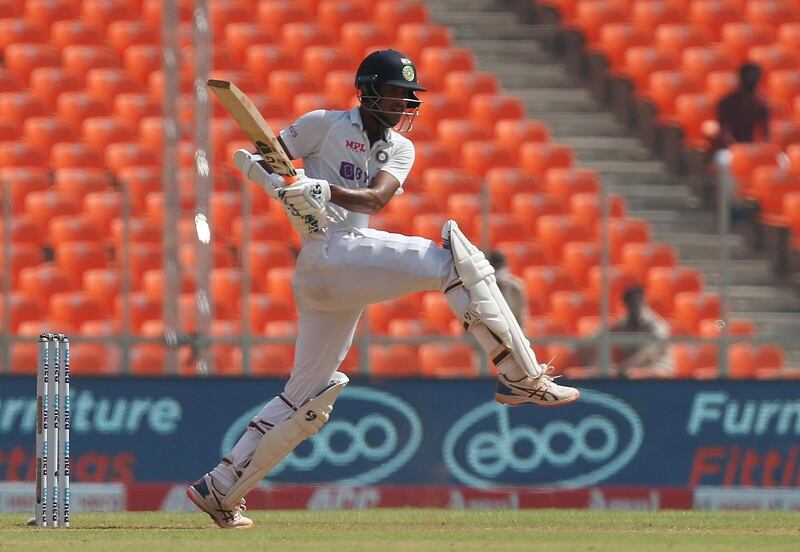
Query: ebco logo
{"points": [[371, 435], [581, 445]]}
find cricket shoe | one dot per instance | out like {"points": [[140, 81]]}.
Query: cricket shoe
{"points": [[541, 391], [205, 496]]}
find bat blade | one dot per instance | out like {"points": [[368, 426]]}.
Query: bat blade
{"points": [[253, 124]]}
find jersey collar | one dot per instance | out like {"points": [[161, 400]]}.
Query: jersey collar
{"points": [[355, 118]]}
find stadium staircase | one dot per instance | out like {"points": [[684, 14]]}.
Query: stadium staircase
{"points": [[518, 53]]}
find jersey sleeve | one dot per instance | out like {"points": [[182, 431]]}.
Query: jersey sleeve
{"points": [[305, 136], [400, 162]]}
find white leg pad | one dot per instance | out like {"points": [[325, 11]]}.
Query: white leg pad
{"points": [[281, 440], [487, 305]]}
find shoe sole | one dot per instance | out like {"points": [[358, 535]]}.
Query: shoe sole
{"points": [[515, 400], [192, 495]]}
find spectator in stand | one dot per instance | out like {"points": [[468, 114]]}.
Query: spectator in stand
{"points": [[743, 116], [512, 288], [642, 360]]}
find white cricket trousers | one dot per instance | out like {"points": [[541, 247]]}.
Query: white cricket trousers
{"points": [[334, 280]]}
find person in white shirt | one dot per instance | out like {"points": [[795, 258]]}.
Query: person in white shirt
{"points": [[354, 163]]}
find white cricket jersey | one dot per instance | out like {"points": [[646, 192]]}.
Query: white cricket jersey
{"points": [[335, 147]]}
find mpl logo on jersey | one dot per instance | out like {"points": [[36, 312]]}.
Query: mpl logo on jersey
{"points": [[494, 445], [371, 435]]}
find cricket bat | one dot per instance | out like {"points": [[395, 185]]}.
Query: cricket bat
{"points": [[253, 124]]}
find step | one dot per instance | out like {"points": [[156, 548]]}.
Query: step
{"points": [[745, 298], [510, 51], [517, 77]]}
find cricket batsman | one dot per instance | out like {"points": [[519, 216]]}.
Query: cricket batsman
{"points": [[355, 162]]}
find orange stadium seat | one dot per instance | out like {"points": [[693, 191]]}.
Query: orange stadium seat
{"points": [[447, 360], [412, 38], [435, 62], [8, 82], [76, 106], [578, 258], [617, 280], [318, 61], [537, 159], [674, 38], [17, 30], [783, 86], [99, 131], [453, 133], [262, 228], [16, 107], [664, 282], [507, 183], [428, 225], [43, 281], [123, 34], [23, 231], [226, 287], [103, 285], [141, 60], [380, 314], [393, 361], [527, 208], [698, 61], [691, 307], [735, 328], [23, 57], [42, 206], [279, 282], [586, 208], [22, 308], [409, 205], [101, 13], [616, 38], [712, 15], [74, 308], [240, 36], [789, 36], [436, 312], [739, 37], [19, 154], [139, 230], [265, 308], [745, 157], [274, 14], [553, 231], [103, 207], [479, 156], [124, 154], [770, 360], [542, 281], [79, 59], [21, 255], [591, 16], [132, 107], [520, 255], [464, 84], [43, 132], [771, 13], [47, 83], [721, 83], [487, 109], [46, 12], [774, 58], [147, 360], [501, 227], [154, 283], [75, 258], [563, 183], [225, 13], [266, 255], [72, 228], [511, 133], [567, 307], [440, 183], [22, 181], [622, 231], [220, 255], [643, 61], [784, 133], [75, 154], [388, 13], [665, 87], [339, 88], [140, 307], [297, 36], [266, 360], [74, 31], [648, 14], [770, 185], [332, 15], [138, 181], [692, 111], [639, 258], [107, 83], [284, 85]]}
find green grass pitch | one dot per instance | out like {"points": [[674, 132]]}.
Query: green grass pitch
{"points": [[416, 530]]}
